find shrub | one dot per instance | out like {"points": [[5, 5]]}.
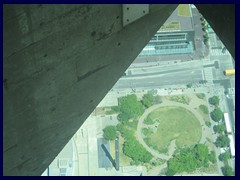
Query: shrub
{"points": [[148, 100], [219, 128], [224, 156], [200, 95], [157, 99], [136, 151], [228, 171], [148, 121], [189, 85], [222, 141], [216, 114], [204, 109], [214, 100], [208, 123]]}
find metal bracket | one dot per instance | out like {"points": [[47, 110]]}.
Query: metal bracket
{"points": [[132, 12]]}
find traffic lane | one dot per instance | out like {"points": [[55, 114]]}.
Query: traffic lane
{"points": [[179, 64], [157, 73], [161, 58], [164, 69], [165, 79]]}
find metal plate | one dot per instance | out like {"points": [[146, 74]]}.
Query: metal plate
{"points": [[132, 12]]}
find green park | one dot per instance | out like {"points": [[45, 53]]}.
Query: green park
{"points": [[157, 131], [172, 123]]}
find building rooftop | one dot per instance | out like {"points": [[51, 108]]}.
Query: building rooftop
{"points": [[62, 164], [180, 20]]}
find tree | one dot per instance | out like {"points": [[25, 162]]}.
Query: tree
{"points": [[216, 114], [205, 36], [228, 171], [130, 106], [115, 108], [214, 100], [157, 99], [125, 132], [148, 100], [122, 117], [110, 132], [224, 156], [219, 128], [136, 151], [189, 159], [200, 152], [170, 172], [212, 157], [222, 141], [205, 40], [189, 85]]}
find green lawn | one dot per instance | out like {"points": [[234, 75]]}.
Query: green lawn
{"points": [[175, 123], [174, 25], [112, 149], [205, 116], [184, 99], [184, 10]]}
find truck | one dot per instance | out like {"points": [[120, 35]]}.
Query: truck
{"points": [[232, 145], [229, 72], [227, 123]]}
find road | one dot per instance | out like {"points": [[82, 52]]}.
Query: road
{"points": [[179, 73]]}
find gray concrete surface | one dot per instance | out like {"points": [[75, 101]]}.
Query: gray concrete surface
{"points": [[59, 62]]}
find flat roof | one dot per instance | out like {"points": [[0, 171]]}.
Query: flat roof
{"points": [[62, 163], [180, 20]]}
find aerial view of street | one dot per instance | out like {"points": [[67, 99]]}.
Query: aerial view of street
{"points": [[172, 113]]}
